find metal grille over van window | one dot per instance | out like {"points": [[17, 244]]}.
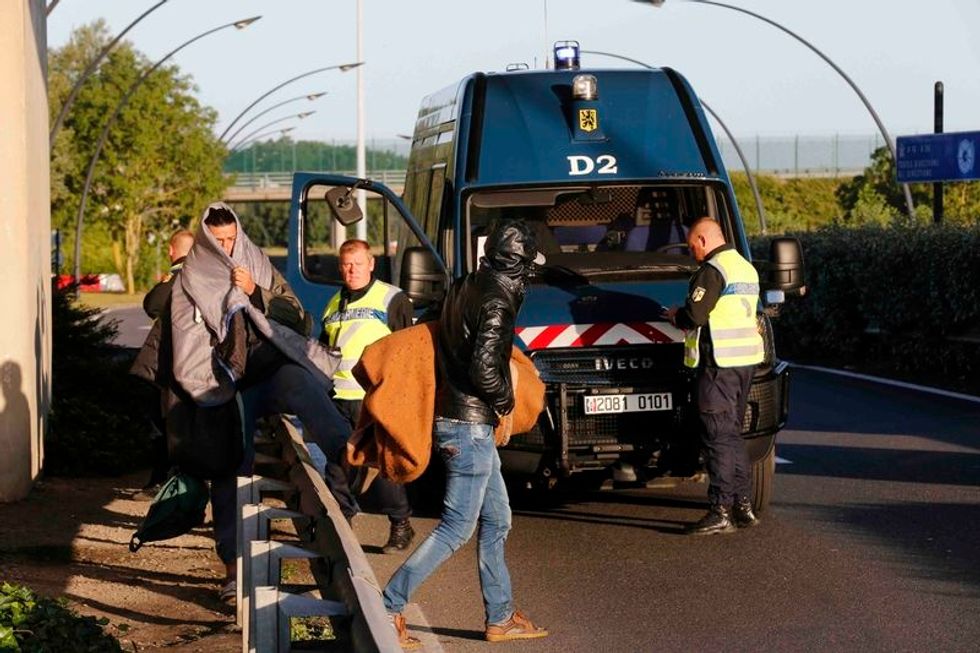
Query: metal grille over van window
{"points": [[572, 211]]}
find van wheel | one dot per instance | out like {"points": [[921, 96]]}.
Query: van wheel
{"points": [[763, 479]]}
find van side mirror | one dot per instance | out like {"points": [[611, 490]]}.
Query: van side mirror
{"points": [[784, 271], [422, 279], [343, 205]]}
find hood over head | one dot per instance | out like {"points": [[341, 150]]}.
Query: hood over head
{"points": [[511, 247], [205, 239]]}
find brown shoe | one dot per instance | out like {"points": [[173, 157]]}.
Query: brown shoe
{"points": [[517, 627], [406, 641]]}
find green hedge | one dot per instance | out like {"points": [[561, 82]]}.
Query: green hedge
{"points": [[790, 204], [99, 413], [894, 298]]}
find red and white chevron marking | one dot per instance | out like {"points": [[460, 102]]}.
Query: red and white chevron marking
{"points": [[597, 335]]}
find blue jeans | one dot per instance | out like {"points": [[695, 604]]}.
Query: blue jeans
{"points": [[475, 495]]}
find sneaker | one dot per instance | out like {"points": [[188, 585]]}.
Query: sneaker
{"points": [[229, 593], [517, 627], [742, 514], [399, 537], [717, 520], [406, 641]]}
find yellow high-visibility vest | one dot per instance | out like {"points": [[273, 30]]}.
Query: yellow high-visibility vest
{"points": [[735, 336], [354, 328]]}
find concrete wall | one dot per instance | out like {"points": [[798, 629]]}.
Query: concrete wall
{"points": [[25, 246]]}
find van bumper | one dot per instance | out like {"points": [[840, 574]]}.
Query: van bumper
{"points": [[564, 441]]}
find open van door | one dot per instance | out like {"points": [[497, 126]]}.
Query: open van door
{"points": [[321, 206]]}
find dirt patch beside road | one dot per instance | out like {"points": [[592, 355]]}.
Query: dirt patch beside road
{"points": [[70, 538]]}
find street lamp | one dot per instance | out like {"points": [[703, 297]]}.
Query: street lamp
{"points": [[302, 115], [881, 127], [309, 96], [73, 94], [239, 24], [738, 150], [361, 227], [342, 68]]}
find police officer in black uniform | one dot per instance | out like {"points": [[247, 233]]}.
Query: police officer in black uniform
{"points": [[723, 343]]}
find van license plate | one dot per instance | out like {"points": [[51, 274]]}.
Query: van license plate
{"points": [[637, 403]]}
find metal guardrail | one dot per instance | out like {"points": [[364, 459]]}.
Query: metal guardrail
{"points": [[346, 588], [278, 179]]}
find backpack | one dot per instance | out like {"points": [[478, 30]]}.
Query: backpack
{"points": [[177, 509]]}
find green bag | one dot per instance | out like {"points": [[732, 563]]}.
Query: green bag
{"points": [[177, 509]]}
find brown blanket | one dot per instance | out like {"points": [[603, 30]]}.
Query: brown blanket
{"points": [[398, 372]]}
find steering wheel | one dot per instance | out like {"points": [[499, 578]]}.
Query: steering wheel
{"points": [[670, 246]]}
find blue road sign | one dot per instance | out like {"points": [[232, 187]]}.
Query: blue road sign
{"points": [[938, 157]]}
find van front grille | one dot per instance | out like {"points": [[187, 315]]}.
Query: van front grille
{"points": [[610, 366]]}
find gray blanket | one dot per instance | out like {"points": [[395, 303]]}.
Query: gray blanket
{"points": [[204, 303]]}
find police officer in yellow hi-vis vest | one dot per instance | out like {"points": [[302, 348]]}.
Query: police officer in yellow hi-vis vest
{"points": [[363, 311], [723, 343]]}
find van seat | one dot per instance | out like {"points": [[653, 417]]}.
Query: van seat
{"points": [[590, 235]]}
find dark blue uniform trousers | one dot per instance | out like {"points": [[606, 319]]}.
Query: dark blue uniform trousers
{"points": [[391, 498], [722, 396]]}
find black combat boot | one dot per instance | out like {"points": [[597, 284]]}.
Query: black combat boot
{"points": [[399, 537], [742, 514], [717, 520]]}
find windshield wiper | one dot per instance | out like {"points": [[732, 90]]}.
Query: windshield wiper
{"points": [[644, 267]]}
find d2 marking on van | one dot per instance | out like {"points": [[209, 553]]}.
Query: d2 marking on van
{"points": [[604, 164]]}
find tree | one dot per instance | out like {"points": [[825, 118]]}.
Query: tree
{"points": [[160, 164], [875, 193], [790, 204]]}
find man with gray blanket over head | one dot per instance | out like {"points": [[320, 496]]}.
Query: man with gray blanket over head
{"points": [[238, 326]]}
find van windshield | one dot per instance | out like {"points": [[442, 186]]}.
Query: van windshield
{"points": [[602, 230]]}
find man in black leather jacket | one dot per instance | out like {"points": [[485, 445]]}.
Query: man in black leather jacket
{"points": [[476, 332]]}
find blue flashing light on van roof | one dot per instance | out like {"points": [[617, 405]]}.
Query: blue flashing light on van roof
{"points": [[567, 55]]}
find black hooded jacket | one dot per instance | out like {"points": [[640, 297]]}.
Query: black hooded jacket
{"points": [[476, 329]]}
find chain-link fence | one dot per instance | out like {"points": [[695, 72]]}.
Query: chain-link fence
{"points": [[833, 155], [798, 156]]}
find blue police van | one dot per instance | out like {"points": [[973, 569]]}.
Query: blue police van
{"points": [[609, 167]]}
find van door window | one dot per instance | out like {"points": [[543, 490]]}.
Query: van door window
{"points": [[436, 185], [420, 196], [322, 236]]}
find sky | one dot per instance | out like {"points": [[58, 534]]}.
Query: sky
{"points": [[758, 79]]}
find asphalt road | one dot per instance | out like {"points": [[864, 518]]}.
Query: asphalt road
{"points": [[872, 543], [132, 323]]}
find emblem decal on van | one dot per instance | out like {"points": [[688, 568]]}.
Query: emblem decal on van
{"points": [[588, 120]]}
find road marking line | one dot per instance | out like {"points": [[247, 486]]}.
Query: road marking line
{"points": [[783, 461], [897, 384]]}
